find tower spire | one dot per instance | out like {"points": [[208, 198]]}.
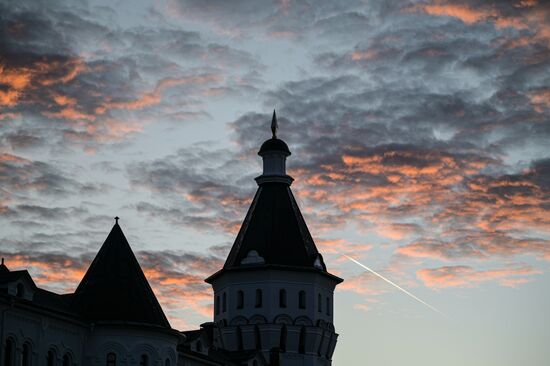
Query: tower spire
{"points": [[274, 125]]}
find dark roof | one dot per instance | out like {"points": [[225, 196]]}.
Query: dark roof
{"points": [[10, 276], [55, 302], [42, 298], [274, 144], [276, 230], [115, 288]]}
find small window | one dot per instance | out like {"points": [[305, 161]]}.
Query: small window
{"points": [[240, 300], [50, 358], [20, 291], [199, 346], [302, 299], [111, 359], [26, 355], [66, 360], [319, 303], [258, 302], [144, 360], [224, 302], [282, 298], [9, 349], [328, 306], [167, 362], [217, 304]]}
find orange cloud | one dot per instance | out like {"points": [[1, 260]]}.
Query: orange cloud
{"points": [[59, 72], [340, 246], [70, 113], [540, 99], [16, 80], [64, 100], [364, 55], [464, 276], [154, 97], [465, 13], [530, 16]]}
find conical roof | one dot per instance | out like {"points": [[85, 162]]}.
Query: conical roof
{"points": [[274, 233], [275, 229], [115, 289]]}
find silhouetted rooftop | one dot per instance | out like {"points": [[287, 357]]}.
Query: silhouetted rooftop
{"points": [[275, 229], [115, 288]]}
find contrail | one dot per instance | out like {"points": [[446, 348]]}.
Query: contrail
{"points": [[395, 285]]}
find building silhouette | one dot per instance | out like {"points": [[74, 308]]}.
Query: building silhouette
{"points": [[273, 299]]}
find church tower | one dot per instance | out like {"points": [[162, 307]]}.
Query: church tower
{"points": [[273, 298]]}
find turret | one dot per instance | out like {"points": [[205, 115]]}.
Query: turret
{"points": [[274, 294], [274, 153]]}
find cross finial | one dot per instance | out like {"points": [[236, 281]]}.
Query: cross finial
{"points": [[116, 220], [274, 125]]}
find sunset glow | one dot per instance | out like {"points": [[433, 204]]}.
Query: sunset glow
{"points": [[419, 133]]}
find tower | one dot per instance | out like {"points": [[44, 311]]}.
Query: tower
{"points": [[273, 298]]}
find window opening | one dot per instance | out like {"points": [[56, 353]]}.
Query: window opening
{"points": [[282, 298]]}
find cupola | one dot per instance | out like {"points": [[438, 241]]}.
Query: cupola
{"points": [[274, 153]]}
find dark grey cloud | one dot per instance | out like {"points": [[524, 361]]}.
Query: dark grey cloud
{"points": [[45, 213], [202, 188], [286, 19], [85, 81], [18, 174]]}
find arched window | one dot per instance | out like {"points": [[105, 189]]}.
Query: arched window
{"points": [[282, 298], [217, 304], [254, 363], [66, 360], [302, 299], [240, 299], [50, 358], [167, 362], [282, 342], [111, 359], [224, 302], [258, 302], [319, 303], [20, 291], [9, 350], [144, 360], [302, 344], [26, 355], [199, 346], [328, 306]]}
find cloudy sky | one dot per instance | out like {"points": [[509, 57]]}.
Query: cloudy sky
{"points": [[419, 133]]}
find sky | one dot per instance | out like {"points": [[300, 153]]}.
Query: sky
{"points": [[419, 133]]}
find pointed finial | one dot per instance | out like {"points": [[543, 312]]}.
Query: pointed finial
{"points": [[116, 220], [274, 125]]}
